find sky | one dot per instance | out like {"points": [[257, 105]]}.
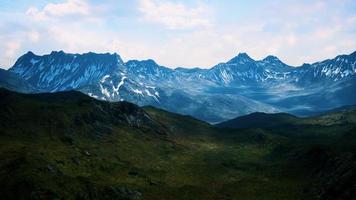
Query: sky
{"points": [[180, 33]]}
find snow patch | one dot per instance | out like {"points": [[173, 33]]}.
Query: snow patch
{"points": [[104, 78], [116, 89], [104, 91], [33, 61], [93, 95], [137, 91]]}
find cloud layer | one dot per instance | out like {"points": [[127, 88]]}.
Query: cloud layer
{"points": [[180, 33], [175, 15], [70, 8]]}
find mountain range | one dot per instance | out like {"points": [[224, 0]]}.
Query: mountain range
{"points": [[229, 89]]}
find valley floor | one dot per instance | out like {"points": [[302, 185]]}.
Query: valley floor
{"points": [[148, 167]]}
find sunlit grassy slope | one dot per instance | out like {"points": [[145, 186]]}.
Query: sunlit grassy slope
{"points": [[69, 146]]}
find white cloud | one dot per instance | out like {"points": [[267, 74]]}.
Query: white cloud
{"points": [[296, 7], [70, 7], [175, 15], [85, 40], [12, 47], [34, 36]]}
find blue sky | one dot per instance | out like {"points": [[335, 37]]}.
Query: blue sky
{"points": [[177, 33]]}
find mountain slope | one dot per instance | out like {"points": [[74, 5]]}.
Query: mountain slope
{"points": [[96, 116], [14, 82]]}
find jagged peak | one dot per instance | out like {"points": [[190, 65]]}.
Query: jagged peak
{"points": [[83, 54], [30, 53], [305, 65], [61, 52], [346, 56], [150, 62], [353, 54], [241, 57], [147, 61], [243, 54], [271, 58]]}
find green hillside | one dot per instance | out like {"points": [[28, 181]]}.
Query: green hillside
{"points": [[339, 116], [260, 120], [69, 146]]}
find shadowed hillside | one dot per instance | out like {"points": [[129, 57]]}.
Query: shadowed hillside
{"points": [[69, 146], [330, 124], [260, 120]]}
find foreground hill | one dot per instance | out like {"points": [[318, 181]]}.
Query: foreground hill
{"points": [[259, 120], [69, 146], [339, 116]]}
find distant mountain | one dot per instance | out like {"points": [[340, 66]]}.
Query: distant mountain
{"points": [[338, 116], [237, 87], [259, 120], [59, 71], [102, 76], [149, 71]]}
